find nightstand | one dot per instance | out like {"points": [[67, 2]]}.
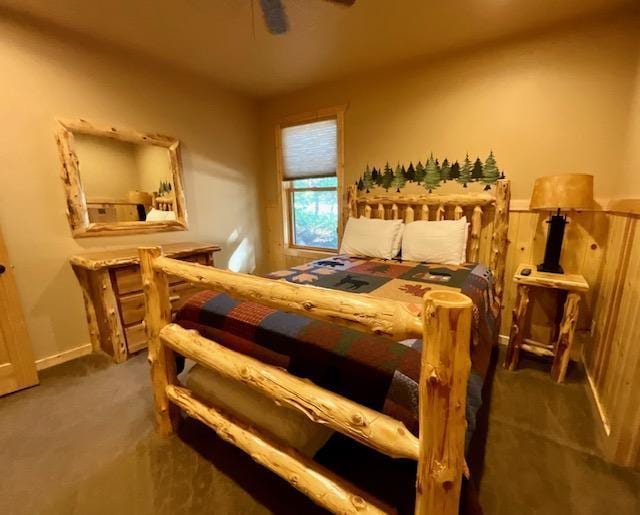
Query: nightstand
{"points": [[573, 285]]}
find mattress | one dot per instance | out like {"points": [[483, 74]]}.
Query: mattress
{"points": [[287, 426]]}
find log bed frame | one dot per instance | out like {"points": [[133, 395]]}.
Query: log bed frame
{"points": [[445, 323]]}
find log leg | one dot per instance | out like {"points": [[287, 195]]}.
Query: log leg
{"points": [[517, 327], [90, 309], [443, 390], [161, 358], [565, 337]]}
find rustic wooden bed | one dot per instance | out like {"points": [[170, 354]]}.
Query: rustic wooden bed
{"points": [[444, 325]]}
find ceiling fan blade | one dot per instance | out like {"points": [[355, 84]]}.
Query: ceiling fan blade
{"points": [[347, 3], [274, 16]]}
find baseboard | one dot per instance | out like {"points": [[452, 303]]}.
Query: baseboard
{"points": [[596, 398], [62, 357]]}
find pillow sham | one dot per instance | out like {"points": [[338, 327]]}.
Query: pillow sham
{"points": [[443, 242], [156, 215], [372, 237]]}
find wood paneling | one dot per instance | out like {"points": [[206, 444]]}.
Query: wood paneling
{"points": [[612, 356]]}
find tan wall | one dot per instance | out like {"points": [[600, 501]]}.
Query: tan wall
{"points": [[47, 75], [153, 166], [108, 167], [629, 186], [554, 103]]}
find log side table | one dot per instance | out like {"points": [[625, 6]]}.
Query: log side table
{"points": [[574, 285]]}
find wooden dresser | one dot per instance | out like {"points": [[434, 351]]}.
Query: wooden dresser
{"points": [[112, 290]]}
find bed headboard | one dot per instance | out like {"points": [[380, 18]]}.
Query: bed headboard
{"points": [[487, 212]]}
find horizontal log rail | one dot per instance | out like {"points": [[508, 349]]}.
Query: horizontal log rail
{"points": [[357, 311], [367, 426], [321, 485]]}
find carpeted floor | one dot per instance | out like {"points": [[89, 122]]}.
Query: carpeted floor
{"points": [[83, 443]]}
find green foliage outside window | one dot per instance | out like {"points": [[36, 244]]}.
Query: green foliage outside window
{"points": [[315, 213]]}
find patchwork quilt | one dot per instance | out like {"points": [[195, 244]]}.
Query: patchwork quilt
{"points": [[373, 370]]}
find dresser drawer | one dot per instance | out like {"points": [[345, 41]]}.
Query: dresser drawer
{"points": [[132, 306], [136, 337], [129, 280]]}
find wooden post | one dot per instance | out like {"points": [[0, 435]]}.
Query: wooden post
{"points": [[380, 212], [409, 215], [440, 212], [517, 326], [367, 211], [352, 203], [443, 389], [161, 358], [394, 211], [565, 337], [458, 212], [499, 239], [476, 228], [425, 212]]}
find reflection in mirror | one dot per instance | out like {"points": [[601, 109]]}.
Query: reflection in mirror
{"points": [[120, 180], [125, 182]]}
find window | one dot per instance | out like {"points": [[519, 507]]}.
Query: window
{"points": [[310, 172], [314, 213]]}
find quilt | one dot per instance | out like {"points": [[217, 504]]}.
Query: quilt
{"points": [[372, 370]]}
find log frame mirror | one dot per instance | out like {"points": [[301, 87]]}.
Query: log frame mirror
{"points": [[79, 210]]}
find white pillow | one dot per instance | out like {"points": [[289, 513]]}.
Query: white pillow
{"points": [[372, 237], [156, 215], [436, 242]]}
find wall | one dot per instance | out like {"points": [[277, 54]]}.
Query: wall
{"points": [[153, 166], [552, 103], [49, 74], [612, 356], [107, 167]]}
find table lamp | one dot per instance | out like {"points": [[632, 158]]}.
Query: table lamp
{"points": [[558, 194]]}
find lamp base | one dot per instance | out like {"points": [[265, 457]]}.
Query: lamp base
{"points": [[550, 270], [553, 248]]}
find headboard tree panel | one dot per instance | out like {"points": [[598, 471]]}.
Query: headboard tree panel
{"points": [[488, 215]]}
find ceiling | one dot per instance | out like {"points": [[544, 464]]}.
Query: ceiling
{"points": [[226, 40]]}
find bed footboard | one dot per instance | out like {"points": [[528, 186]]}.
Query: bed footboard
{"points": [[445, 327]]}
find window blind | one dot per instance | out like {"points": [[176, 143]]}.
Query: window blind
{"points": [[309, 151]]}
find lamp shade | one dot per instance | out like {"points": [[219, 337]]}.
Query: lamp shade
{"points": [[570, 191]]}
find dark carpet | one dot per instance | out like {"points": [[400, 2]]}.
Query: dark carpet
{"points": [[83, 443]]}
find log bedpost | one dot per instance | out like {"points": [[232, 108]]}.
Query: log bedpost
{"points": [[476, 228], [161, 357], [352, 202], [499, 238], [443, 390]]}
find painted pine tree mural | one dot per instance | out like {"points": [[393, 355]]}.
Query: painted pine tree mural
{"points": [[490, 172], [445, 170], [387, 177], [367, 179], [398, 179], [465, 172], [419, 172], [476, 173], [411, 173], [432, 175]]}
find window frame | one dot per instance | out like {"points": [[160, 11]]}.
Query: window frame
{"points": [[287, 189]]}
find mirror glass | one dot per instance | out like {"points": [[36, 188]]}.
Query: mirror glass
{"points": [[124, 181]]}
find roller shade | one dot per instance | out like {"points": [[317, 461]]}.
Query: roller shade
{"points": [[309, 151]]}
